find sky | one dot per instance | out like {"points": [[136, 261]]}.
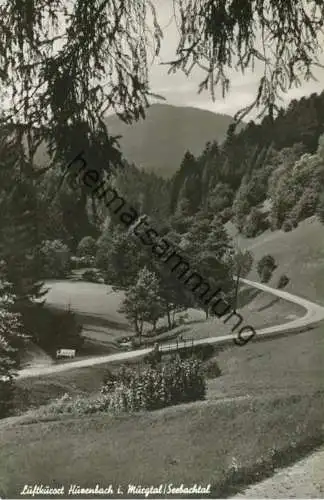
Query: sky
{"points": [[181, 90]]}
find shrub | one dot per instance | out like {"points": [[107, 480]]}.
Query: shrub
{"points": [[265, 268], [6, 396], [136, 342], [320, 208], [178, 381], [306, 205], [153, 358], [287, 226], [54, 259], [52, 329], [201, 352], [130, 391], [92, 276], [226, 215], [211, 369], [266, 275], [108, 381], [76, 262], [81, 262], [204, 351], [255, 223], [283, 281], [11, 341], [77, 406], [87, 247]]}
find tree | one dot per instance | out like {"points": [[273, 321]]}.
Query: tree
{"points": [[87, 247], [306, 205], [265, 268], [44, 43], [242, 261], [241, 206], [142, 302], [20, 222], [320, 208], [208, 246], [255, 223], [54, 259], [182, 217], [64, 219], [11, 339], [295, 186], [120, 256], [283, 281], [220, 197]]}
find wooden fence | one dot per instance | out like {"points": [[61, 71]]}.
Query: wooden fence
{"points": [[176, 346]]}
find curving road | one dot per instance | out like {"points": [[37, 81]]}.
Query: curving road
{"points": [[314, 315]]}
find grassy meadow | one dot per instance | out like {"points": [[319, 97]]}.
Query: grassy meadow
{"points": [[263, 412]]}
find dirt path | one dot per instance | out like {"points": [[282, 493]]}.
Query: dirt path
{"points": [[305, 479]]}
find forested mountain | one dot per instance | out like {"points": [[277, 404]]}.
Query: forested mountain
{"points": [[232, 179], [278, 160], [158, 143]]}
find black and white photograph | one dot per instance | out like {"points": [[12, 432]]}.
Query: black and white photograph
{"points": [[161, 249]]}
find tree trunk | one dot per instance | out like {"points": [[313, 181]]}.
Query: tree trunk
{"points": [[173, 317], [236, 290], [169, 317]]}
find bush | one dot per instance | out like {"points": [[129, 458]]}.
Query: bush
{"points": [[287, 226], [87, 247], [52, 329], [201, 352], [136, 342], [54, 259], [6, 396], [109, 380], [265, 268], [320, 208], [266, 275], [255, 223], [12, 340], [176, 382], [226, 215], [211, 369], [81, 262], [204, 351], [130, 391], [306, 205], [153, 358], [283, 281], [92, 276], [77, 406]]}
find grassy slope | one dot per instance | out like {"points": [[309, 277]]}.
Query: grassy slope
{"points": [[99, 305], [198, 442], [300, 255], [195, 442]]}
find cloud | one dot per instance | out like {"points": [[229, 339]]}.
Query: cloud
{"points": [[178, 89]]}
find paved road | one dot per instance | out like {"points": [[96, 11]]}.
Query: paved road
{"points": [[314, 315]]}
